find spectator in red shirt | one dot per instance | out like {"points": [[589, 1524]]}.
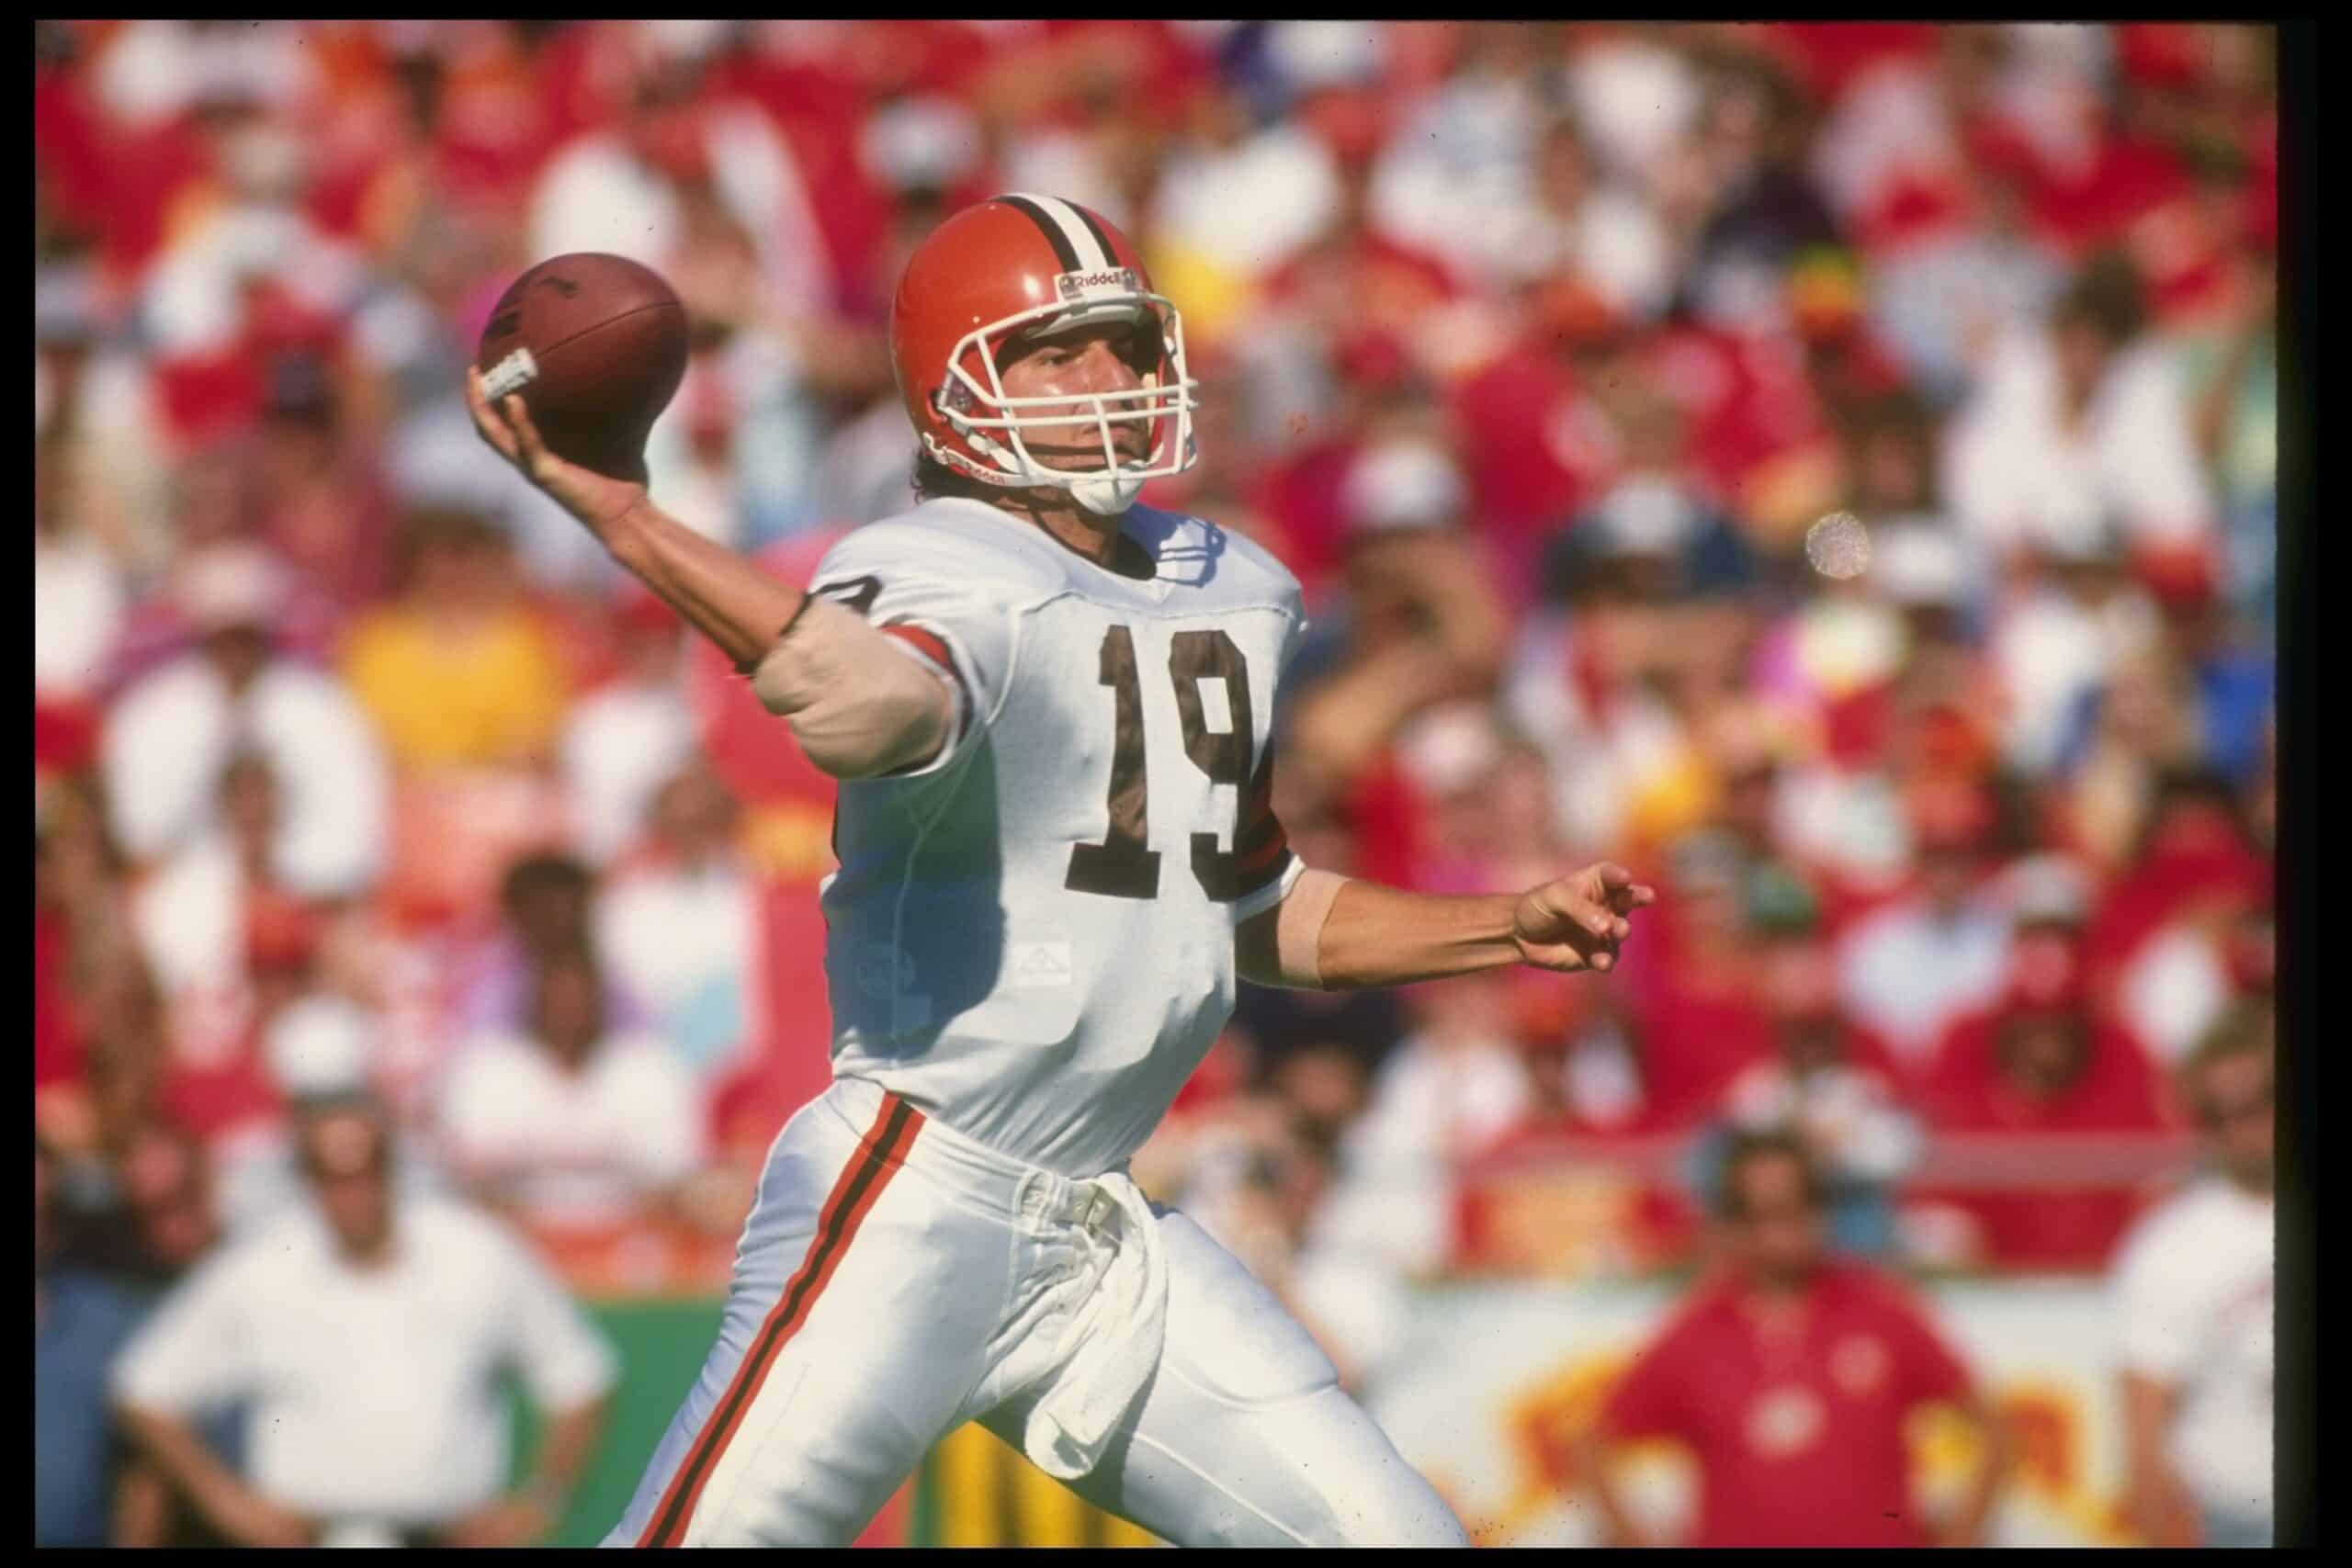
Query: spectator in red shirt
{"points": [[2041, 1063], [1793, 1375]]}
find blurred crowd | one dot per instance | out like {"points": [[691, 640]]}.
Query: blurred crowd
{"points": [[1828, 468]]}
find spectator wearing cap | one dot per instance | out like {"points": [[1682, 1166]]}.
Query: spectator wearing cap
{"points": [[457, 671], [2091, 416], [623, 738], [2040, 1062], [2194, 1286], [568, 1125], [1910, 969], [366, 1333], [323, 1052], [1423, 624], [167, 741], [1792, 1374]]}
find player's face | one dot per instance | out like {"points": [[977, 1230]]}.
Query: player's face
{"points": [[1085, 362], [349, 1166]]}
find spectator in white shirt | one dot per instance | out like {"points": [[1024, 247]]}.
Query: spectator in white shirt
{"points": [[2088, 418], [2194, 1286], [366, 1336], [677, 928], [623, 739], [571, 1126], [168, 741]]}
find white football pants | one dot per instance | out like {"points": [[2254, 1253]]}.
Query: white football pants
{"points": [[897, 1280]]}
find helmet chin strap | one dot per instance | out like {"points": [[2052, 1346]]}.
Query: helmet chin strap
{"points": [[1106, 495]]}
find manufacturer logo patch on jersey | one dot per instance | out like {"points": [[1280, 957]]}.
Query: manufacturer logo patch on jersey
{"points": [[1084, 284], [1039, 965]]}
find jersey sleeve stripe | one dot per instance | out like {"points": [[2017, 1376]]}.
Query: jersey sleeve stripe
{"points": [[1277, 868], [933, 650]]}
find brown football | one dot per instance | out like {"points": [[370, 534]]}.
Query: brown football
{"points": [[597, 345]]}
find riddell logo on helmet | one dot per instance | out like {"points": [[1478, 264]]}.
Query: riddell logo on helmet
{"points": [[1075, 284]]}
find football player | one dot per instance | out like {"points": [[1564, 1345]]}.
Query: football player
{"points": [[1048, 707]]}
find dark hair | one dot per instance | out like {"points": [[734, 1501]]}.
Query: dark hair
{"points": [[932, 479], [1742, 1148], [2248, 1028], [543, 871], [2108, 298]]}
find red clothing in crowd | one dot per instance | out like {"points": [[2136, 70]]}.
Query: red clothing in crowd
{"points": [[2187, 871], [790, 804], [2056, 1228], [1799, 1432], [1537, 451], [57, 1041]]}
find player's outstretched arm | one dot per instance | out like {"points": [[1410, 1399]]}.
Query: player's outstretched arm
{"points": [[1366, 934], [859, 703]]}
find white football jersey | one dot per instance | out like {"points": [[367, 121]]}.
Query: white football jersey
{"points": [[1031, 937]]}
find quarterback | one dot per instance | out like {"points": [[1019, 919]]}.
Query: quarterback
{"points": [[1048, 707]]}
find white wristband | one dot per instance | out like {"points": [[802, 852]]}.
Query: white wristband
{"points": [[1299, 928]]}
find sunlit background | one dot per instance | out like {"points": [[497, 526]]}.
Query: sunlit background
{"points": [[1828, 468]]}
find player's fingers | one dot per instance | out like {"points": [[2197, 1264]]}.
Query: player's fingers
{"points": [[1612, 876], [1625, 900], [1582, 915], [527, 435], [487, 425]]}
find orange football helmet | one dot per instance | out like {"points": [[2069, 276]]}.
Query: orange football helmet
{"points": [[999, 267]]}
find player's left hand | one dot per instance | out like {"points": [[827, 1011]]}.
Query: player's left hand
{"points": [[1577, 922], [516, 1520]]}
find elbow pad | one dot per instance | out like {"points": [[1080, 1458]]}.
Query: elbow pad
{"points": [[1299, 928], [861, 702]]}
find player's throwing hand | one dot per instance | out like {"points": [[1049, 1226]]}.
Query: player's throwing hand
{"points": [[1578, 921], [595, 499]]}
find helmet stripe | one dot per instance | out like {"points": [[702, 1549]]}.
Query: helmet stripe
{"points": [[1110, 251], [1073, 238]]}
